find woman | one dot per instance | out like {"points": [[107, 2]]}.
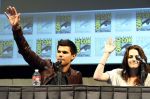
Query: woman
{"points": [[133, 72]]}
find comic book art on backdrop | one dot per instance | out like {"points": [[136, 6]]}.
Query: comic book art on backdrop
{"points": [[87, 29]]}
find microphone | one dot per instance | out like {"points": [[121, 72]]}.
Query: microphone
{"points": [[57, 65], [59, 62], [140, 59], [143, 73]]}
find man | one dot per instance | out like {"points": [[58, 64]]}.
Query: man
{"points": [[66, 52]]}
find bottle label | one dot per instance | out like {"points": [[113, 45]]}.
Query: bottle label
{"points": [[36, 78]]}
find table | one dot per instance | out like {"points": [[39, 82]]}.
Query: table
{"points": [[74, 92]]}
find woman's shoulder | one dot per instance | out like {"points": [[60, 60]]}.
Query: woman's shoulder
{"points": [[148, 75], [147, 81], [117, 70]]}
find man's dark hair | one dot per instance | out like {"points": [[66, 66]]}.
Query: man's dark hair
{"points": [[68, 43]]}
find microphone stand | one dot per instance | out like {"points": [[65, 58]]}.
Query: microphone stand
{"points": [[58, 69], [59, 72], [143, 73]]}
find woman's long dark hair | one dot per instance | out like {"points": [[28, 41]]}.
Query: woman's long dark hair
{"points": [[125, 66]]}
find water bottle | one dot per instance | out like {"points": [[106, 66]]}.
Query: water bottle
{"points": [[36, 78]]}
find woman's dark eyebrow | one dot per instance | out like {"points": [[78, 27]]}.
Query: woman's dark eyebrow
{"points": [[130, 56]]}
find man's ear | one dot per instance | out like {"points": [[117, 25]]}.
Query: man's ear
{"points": [[73, 56]]}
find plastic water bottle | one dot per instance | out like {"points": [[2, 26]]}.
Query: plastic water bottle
{"points": [[36, 78]]}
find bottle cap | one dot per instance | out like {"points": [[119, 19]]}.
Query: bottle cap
{"points": [[36, 70]]}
